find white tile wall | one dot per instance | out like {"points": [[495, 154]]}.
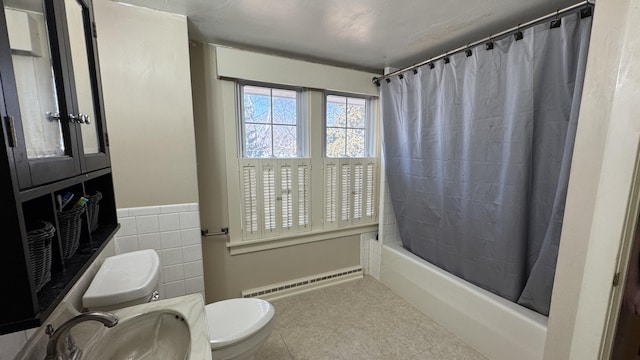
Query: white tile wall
{"points": [[174, 232], [375, 254], [387, 230], [364, 253], [367, 240]]}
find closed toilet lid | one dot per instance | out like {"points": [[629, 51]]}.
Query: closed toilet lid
{"points": [[233, 320], [123, 278]]}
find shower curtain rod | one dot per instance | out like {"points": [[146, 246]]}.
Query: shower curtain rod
{"points": [[387, 77]]}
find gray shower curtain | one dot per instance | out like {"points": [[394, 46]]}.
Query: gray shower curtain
{"points": [[478, 153]]}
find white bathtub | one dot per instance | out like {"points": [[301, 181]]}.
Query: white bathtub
{"points": [[498, 328]]}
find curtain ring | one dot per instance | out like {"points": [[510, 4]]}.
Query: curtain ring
{"points": [[555, 23], [518, 34], [489, 45]]}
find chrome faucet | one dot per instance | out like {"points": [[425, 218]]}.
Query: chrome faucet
{"points": [[69, 351]]}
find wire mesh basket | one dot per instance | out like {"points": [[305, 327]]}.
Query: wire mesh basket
{"points": [[70, 222], [39, 241], [93, 210]]}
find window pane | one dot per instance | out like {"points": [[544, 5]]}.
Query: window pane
{"points": [[284, 141], [284, 107], [256, 108], [257, 104], [355, 143], [336, 111], [257, 140], [336, 139], [356, 113]]}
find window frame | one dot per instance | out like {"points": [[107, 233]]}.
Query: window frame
{"points": [[369, 124], [302, 122]]}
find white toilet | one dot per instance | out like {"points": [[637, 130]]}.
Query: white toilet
{"points": [[237, 327]]}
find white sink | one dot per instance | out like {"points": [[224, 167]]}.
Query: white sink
{"points": [[157, 335], [171, 329]]}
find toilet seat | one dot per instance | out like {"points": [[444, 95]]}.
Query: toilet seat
{"points": [[233, 320]]}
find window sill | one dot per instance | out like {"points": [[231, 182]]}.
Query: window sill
{"points": [[249, 246]]}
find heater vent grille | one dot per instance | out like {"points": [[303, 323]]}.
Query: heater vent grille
{"points": [[296, 286]]}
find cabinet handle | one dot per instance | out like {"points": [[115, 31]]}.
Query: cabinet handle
{"points": [[13, 139], [84, 119], [53, 116], [80, 118]]}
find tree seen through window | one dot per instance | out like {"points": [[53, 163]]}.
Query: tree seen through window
{"points": [[345, 126], [270, 122]]}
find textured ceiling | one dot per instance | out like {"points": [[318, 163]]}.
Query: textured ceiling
{"points": [[362, 34]]}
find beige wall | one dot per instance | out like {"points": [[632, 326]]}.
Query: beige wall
{"points": [[226, 276], [598, 216], [144, 60]]}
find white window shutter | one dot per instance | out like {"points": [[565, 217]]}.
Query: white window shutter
{"points": [[358, 188], [269, 199], [330, 193], [286, 196], [350, 191], [345, 193], [276, 195], [249, 172], [370, 192], [303, 194]]}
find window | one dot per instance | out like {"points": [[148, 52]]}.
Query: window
{"points": [[271, 125], [278, 176], [347, 127], [349, 171]]}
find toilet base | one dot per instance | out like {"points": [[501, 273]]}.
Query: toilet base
{"points": [[249, 346], [244, 325]]}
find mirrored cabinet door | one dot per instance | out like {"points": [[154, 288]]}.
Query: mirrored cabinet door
{"points": [[51, 82], [42, 137], [82, 62]]}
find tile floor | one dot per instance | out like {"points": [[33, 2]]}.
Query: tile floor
{"points": [[360, 319]]}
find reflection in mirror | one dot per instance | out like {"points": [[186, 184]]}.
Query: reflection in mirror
{"points": [[80, 58], [29, 41]]}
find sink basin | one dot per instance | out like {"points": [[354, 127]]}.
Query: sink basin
{"points": [[169, 329], [153, 335]]}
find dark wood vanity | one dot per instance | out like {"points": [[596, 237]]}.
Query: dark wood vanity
{"points": [[55, 144]]}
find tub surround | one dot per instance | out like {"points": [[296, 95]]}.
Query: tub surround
{"points": [[498, 328]]}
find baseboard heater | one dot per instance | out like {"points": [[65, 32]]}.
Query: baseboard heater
{"points": [[297, 286]]}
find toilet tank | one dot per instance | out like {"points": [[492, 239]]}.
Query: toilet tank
{"points": [[124, 280]]}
